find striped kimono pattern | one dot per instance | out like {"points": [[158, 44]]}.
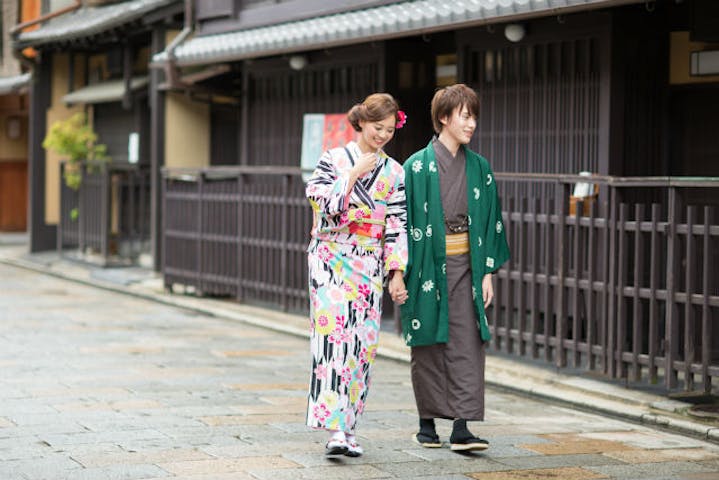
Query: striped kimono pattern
{"points": [[356, 240]]}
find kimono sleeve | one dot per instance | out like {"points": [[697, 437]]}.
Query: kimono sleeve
{"points": [[497, 249], [327, 189], [408, 189], [395, 234]]}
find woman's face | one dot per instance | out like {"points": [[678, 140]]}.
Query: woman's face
{"points": [[376, 134]]}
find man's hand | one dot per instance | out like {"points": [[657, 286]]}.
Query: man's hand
{"points": [[397, 290], [487, 290]]}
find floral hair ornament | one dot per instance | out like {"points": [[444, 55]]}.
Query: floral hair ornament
{"points": [[402, 119]]}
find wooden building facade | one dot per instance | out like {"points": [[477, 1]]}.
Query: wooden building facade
{"points": [[92, 57], [619, 281], [13, 127], [605, 88]]}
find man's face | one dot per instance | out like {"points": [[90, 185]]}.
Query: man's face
{"points": [[460, 125]]}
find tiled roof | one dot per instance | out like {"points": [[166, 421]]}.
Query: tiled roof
{"points": [[394, 20], [13, 84], [87, 21], [109, 91]]}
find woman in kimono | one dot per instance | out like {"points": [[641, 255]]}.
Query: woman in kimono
{"points": [[358, 240]]}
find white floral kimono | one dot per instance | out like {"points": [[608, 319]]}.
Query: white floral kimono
{"points": [[356, 240]]}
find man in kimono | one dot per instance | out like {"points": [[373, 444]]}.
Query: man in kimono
{"points": [[456, 242]]}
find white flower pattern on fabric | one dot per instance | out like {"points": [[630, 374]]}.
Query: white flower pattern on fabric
{"points": [[444, 269], [499, 227], [425, 207], [416, 234], [489, 179], [416, 324], [490, 262], [417, 166], [428, 286], [474, 293], [476, 193], [479, 241], [429, 231], [431, 167]]}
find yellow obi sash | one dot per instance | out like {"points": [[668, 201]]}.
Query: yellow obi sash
{"points": [[457, 243]]}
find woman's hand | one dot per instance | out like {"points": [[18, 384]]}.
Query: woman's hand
{"points": [[487, 290], [396, 287], [365, 164]]}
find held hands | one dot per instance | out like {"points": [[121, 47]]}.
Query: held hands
{"points": [[396, 287], [487, 290]]}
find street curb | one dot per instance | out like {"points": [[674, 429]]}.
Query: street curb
{"points": [[551, 391]]}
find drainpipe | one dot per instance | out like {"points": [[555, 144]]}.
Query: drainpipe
{"points": [[17, 29], [171, 69]]}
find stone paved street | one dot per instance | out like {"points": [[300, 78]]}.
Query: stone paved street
{"points": [[100, 385]]}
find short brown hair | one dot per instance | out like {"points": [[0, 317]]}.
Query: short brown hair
{"points": [[374, 108], [446, 99]]}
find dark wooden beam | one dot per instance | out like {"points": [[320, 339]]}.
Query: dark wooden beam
{"points": [[157, 151], [42, 235]]}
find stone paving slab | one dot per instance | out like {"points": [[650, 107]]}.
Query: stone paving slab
{"points": [[118, 472], [106, 386], [574, 473], [649, 470]]}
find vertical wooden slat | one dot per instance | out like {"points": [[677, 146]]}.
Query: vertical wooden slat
{"points": [[507, 284], [637, 320], [590, 295], [104, 212], [549, 261], [82, 219], [576, 249], [622, 260], [611, 286], [534, 311], [707, 330], [690, 272], [521, 267], [164, 230], [671, 328], [240, 237], [653, 286], [284, 266], [562, 247], [200, 232]]}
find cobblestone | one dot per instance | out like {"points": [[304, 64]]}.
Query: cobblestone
{"points": [[100, 385]]}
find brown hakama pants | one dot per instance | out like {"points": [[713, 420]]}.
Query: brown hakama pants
{"points": [[448, 379]]}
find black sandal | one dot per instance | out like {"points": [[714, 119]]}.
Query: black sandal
{"points": [[427, 441], [467, 444]]}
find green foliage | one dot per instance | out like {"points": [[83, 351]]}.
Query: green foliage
{"points": [[75, 140]]}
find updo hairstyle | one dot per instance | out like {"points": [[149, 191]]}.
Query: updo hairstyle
{"points": [[375, 108]]}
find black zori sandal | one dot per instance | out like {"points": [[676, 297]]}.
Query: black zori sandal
{"points": [[427, 436], [467, 444], [427, 441], [463, 440]]}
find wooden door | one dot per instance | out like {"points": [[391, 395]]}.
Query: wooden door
{"points": [[13, 196]]}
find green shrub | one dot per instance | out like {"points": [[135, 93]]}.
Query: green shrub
{"points": [[75, 140]]}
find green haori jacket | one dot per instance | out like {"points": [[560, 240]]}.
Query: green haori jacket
{"points": [[425, 318]]}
